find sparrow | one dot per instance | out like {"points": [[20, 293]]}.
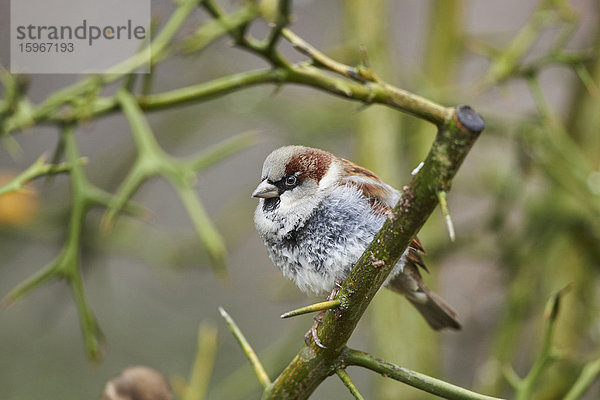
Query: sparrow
{"points": [[317, 213]]}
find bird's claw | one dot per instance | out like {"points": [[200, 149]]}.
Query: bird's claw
{"points": [[312, 333], [315, 336]]}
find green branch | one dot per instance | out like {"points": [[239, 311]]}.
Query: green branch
{"points": [[524, 387], [588, 375], [208, 90], [220, 26], [412, 378], [67, 264], [363, 87], [199, 379], [345, 378], [152, 161], [248, 350], [506, 64], [35, 170]]}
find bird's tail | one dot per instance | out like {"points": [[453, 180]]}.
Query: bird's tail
{"points": [[438, 314]]}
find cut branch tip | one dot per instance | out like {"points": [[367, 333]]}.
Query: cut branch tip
{"points": [[470, 119]]}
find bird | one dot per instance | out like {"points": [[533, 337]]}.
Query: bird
{"points": [[317, 213]]}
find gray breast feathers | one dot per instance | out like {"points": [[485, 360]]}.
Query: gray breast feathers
{"points": [[327, 245]]}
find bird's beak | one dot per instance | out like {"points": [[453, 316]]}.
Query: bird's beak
{"points": [[266, 190]]}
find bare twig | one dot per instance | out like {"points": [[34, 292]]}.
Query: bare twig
{"points": [[152, 161], [282, 19], [524, 387], [66, 265], [248, 351], [205, 357], [588, 375], [320, 59], [35, 170], [412, 378], [343, 375]]}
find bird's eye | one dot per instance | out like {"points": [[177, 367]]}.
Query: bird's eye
{"points": [[291, 180]]}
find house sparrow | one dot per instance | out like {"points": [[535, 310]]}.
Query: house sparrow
{"points": [[317, 213]]}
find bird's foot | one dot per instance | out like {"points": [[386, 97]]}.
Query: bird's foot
{"points": [[312, 333]]}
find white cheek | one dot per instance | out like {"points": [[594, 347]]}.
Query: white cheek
{"points": [[296, 202], [295, 206], [287, 201], [263, 224]]}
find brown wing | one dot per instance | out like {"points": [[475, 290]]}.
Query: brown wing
{"points": [[381, 195], [414, 253], [382, 198], [409, 283]]}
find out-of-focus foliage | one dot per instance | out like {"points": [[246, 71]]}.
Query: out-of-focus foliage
{"points": [[17, 208], [526, 207]]}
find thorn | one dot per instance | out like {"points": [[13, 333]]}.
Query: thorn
{"points": [[441, 195], [276, 89], [106, 225], [42, 159], [364, 57], [325, 305], [7, 302], [362, 107]]}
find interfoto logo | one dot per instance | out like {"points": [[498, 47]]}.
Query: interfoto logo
{"points": [[79, 36]]}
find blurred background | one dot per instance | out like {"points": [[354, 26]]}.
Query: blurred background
{"points": [[525, 204]]}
